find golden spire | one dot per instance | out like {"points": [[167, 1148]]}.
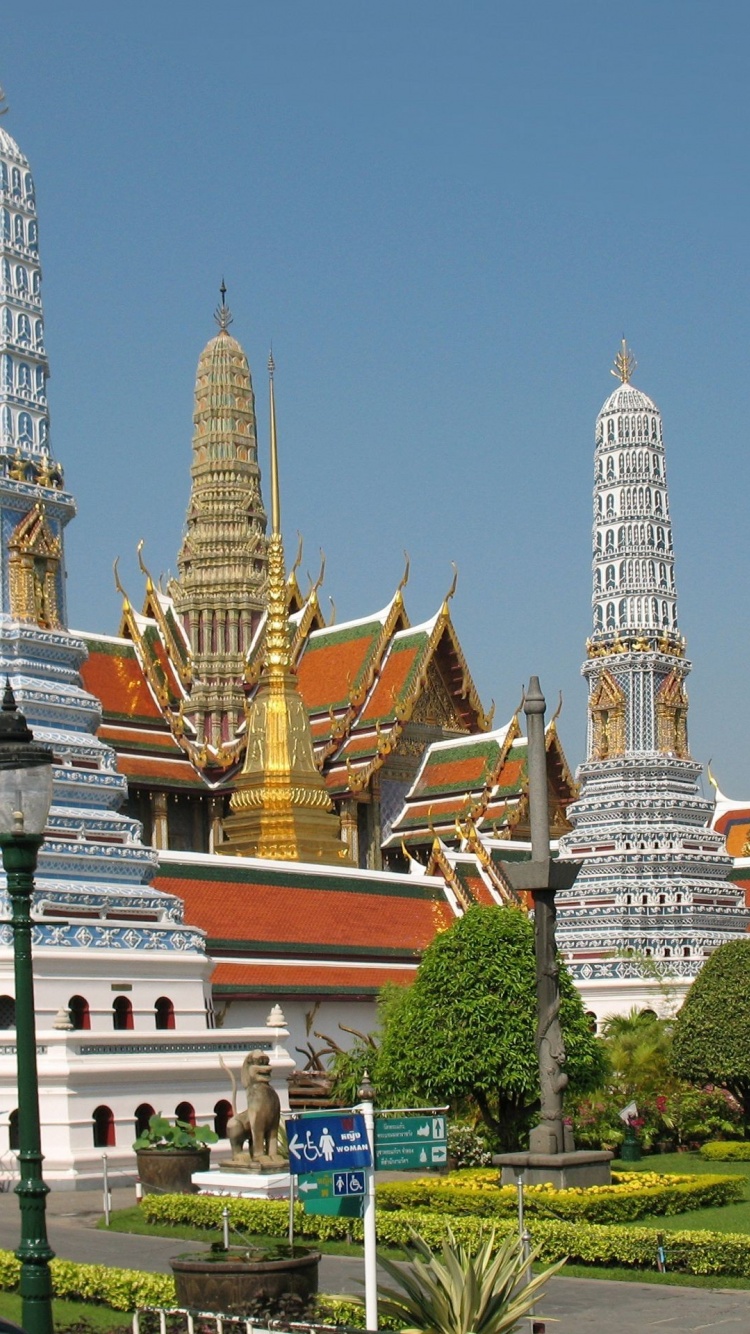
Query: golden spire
{"points": [[280, 807], [625, 364]]}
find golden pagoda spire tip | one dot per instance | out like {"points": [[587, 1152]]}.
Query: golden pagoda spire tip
{"points": [[624, 364]]}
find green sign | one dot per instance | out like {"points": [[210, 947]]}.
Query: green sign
{"points": [[408, 1143], [338, 1193]]}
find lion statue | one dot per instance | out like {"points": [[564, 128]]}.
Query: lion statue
{"points": [[258, 1126]]}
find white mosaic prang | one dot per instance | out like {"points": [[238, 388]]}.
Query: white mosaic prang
{"points": [[654, 876]]}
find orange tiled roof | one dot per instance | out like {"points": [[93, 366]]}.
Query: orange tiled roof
{"points": [[112, 673], [291, 979], [256, 905]]}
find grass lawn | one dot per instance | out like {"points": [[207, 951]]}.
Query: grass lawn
{"points": [[725, 1218], [66, 1314]]}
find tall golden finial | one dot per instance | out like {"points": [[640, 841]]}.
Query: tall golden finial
{"points": [[223, 314], [625, 364], [280, 807], [275, 500]]}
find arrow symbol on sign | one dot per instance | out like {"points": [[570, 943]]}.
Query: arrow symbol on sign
{"points": [[308, 1185], [294, 1146]]}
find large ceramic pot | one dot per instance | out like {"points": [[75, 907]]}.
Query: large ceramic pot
{"points": [[168, 1171], [242, 1281]]}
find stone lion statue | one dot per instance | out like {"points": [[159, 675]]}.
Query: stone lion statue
{"points": [[258, 1125]]}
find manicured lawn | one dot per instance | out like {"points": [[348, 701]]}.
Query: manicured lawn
{"points": [[66, 1314], [683, 1164], [727, 1218]]}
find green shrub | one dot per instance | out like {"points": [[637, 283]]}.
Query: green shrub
{"points": [[122, 1289], [582, 1241], [632, 1195], [727, 1151]]}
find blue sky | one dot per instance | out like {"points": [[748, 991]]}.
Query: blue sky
{"points": [[444, 216]]}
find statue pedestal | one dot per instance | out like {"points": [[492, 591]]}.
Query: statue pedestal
{"points": [[581, 1167], [252, 1185]]}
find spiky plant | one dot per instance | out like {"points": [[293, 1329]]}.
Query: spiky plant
{"points": [[455, 1292]]}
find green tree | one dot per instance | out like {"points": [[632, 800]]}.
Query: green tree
{"points": [[711, 1040], [465, 1029], [638, 1047]]}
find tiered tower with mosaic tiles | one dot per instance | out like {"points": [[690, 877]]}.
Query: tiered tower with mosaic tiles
{"points": [[654, 881], [221, 591], [92, 901]]}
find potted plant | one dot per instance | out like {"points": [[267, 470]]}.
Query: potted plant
{"points": [[167, 1154], [260, 1281]]}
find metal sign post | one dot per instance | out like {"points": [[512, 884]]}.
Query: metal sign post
{"points": [[367, 1107]]}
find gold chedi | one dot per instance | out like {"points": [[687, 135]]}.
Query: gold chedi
{"points": [[280, 807]]}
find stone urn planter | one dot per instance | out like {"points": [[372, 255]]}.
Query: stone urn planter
{"points": [[169, 1171], [167, 1155], [247, 1281]]}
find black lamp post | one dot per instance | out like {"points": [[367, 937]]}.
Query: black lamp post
{"points": [[25, 799]]}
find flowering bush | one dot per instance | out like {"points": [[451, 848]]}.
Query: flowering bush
{"points": [[467, 1146]]}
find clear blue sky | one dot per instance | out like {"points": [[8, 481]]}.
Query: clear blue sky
{"points": [[444, 216]]}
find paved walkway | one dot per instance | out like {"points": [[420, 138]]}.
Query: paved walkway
{"points": [[573, 1306]]}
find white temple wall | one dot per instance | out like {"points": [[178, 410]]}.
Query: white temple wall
{"points": [[80, 1072], [359, 1014]]}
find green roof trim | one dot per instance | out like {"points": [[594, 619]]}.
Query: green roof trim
{"points": [[340, 884]]}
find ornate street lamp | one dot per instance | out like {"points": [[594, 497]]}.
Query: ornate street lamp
{"points": [[25, 799]]}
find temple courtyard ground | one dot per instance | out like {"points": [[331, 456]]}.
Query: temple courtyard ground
{"points": [[573, 1306]]}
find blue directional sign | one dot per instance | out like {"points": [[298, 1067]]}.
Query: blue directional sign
{"points": [[348, 1183], [327, 1143]]}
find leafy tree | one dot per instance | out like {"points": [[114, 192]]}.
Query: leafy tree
{"points": [[638, 1047], [466, 1027], [711, 1042]]}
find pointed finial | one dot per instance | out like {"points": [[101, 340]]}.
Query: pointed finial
{"points": [[275, 498], [223, 314], [9, 699], [625, 364]]}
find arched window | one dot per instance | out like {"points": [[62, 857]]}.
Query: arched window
{"points": [[80, 1016], [16, 180], [185, 1111], [599, 621], [39, 334], [18, 235], [43, 430], [143, 1115], [164, 1013], [122, 1013], [24, 329], [6, 424], [14, 1142], [25, 429], [6, 371], [24, 377], [7, 1012], [36, 282], [6, 272], [610, 615], [22, 278], [222, 1113], [4, 224], [103, 1125], [33, 235], [7, 322], [3, 176]]}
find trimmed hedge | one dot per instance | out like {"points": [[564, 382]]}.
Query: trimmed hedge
{"points": [[581, 1242], [632, 1195], [727, 1151], [121, 1289]]}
